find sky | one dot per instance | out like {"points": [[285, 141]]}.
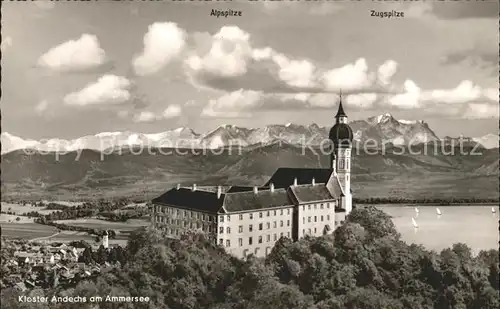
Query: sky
{"points": [[71, 69]]}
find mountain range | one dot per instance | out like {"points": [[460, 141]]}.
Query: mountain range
{"points": [[381, 129]]}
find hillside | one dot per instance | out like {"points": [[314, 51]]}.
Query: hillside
{"points": [[375, 172]]}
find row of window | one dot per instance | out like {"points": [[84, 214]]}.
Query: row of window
{"points": [[315, 219], [183, 213], [260, 239], [185, 224], [256, 251], [321, 206], [261, 214], [260, 227]]}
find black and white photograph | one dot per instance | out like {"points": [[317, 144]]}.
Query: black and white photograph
{"points": [[249, 154]]}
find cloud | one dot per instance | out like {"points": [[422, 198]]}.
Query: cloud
{"points": [[465, 9], [74, 55], [484, 55], [6, 43], [172, 111], [227, 61], [481, 111], [42, 106], [163, 43], [109, 89]]}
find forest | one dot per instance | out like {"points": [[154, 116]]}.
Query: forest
{"points": [[364, 264]]}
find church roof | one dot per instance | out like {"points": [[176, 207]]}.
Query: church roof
{"points": [[284, 176], [243, 198], [340, 112], [310, 193], [244, 201], [199, 200]]}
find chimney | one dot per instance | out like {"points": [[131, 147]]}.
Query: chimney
{"points": [[194, 187], [272, 187], [219, 191], [255, 189], [295, 182], [178, 186], [313, 182]]}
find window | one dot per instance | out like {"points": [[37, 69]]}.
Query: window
{"points": [[268, 225], [327, 217], [210, 229], [240, 229], [314, 230], [241, 217], [240, 242], [341, 163], [281, 212], [275, 237], [260, 226], [228, 243], [327, 205], [245, 252], [321, 218], [268, 250], [304, 220], [228, 230], [315, 206], [288, 211], [251, 216], [309, 219], [268, 213], [281, 223], [303, 232], [287, 222], [281, 234], [221, 241], [288, 234], [260, 239], [257, 251], [321, 206], [304, 207], [221, 230], [221, 218], [274, 213], [347, 177], [228, 218], [309, 230], [309, 207], [203, 217], [275, 224], [250, 228], [315, 219], [249, 240], [260, 214], [268, 237]]}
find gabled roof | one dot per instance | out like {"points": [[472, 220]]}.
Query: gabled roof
{"points": [[310, 193], [199, 200], [336, 188], [284, 176], [243, 201]]}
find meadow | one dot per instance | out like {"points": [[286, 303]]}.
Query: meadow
{"points": [[27, 230]]}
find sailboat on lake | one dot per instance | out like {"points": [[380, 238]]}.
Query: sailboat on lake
{"points": [[438, 211], [415, 225], [493, 210], [417, 210]]}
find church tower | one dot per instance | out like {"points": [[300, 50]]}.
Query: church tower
{"points": [[341, 137]]}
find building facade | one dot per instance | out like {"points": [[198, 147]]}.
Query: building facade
{"points": [[296, 202]]}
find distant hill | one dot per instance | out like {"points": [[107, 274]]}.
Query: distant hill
{"points": [[425, 171]]}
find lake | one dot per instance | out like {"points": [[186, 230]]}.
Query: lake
{"points": [[475, 226]]}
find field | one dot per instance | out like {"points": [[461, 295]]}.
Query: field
{"points": [[5, 218], [130, 225], [26, 230], [20, 209]]}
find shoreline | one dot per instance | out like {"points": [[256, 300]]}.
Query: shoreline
{"points": [[431, 204]]}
